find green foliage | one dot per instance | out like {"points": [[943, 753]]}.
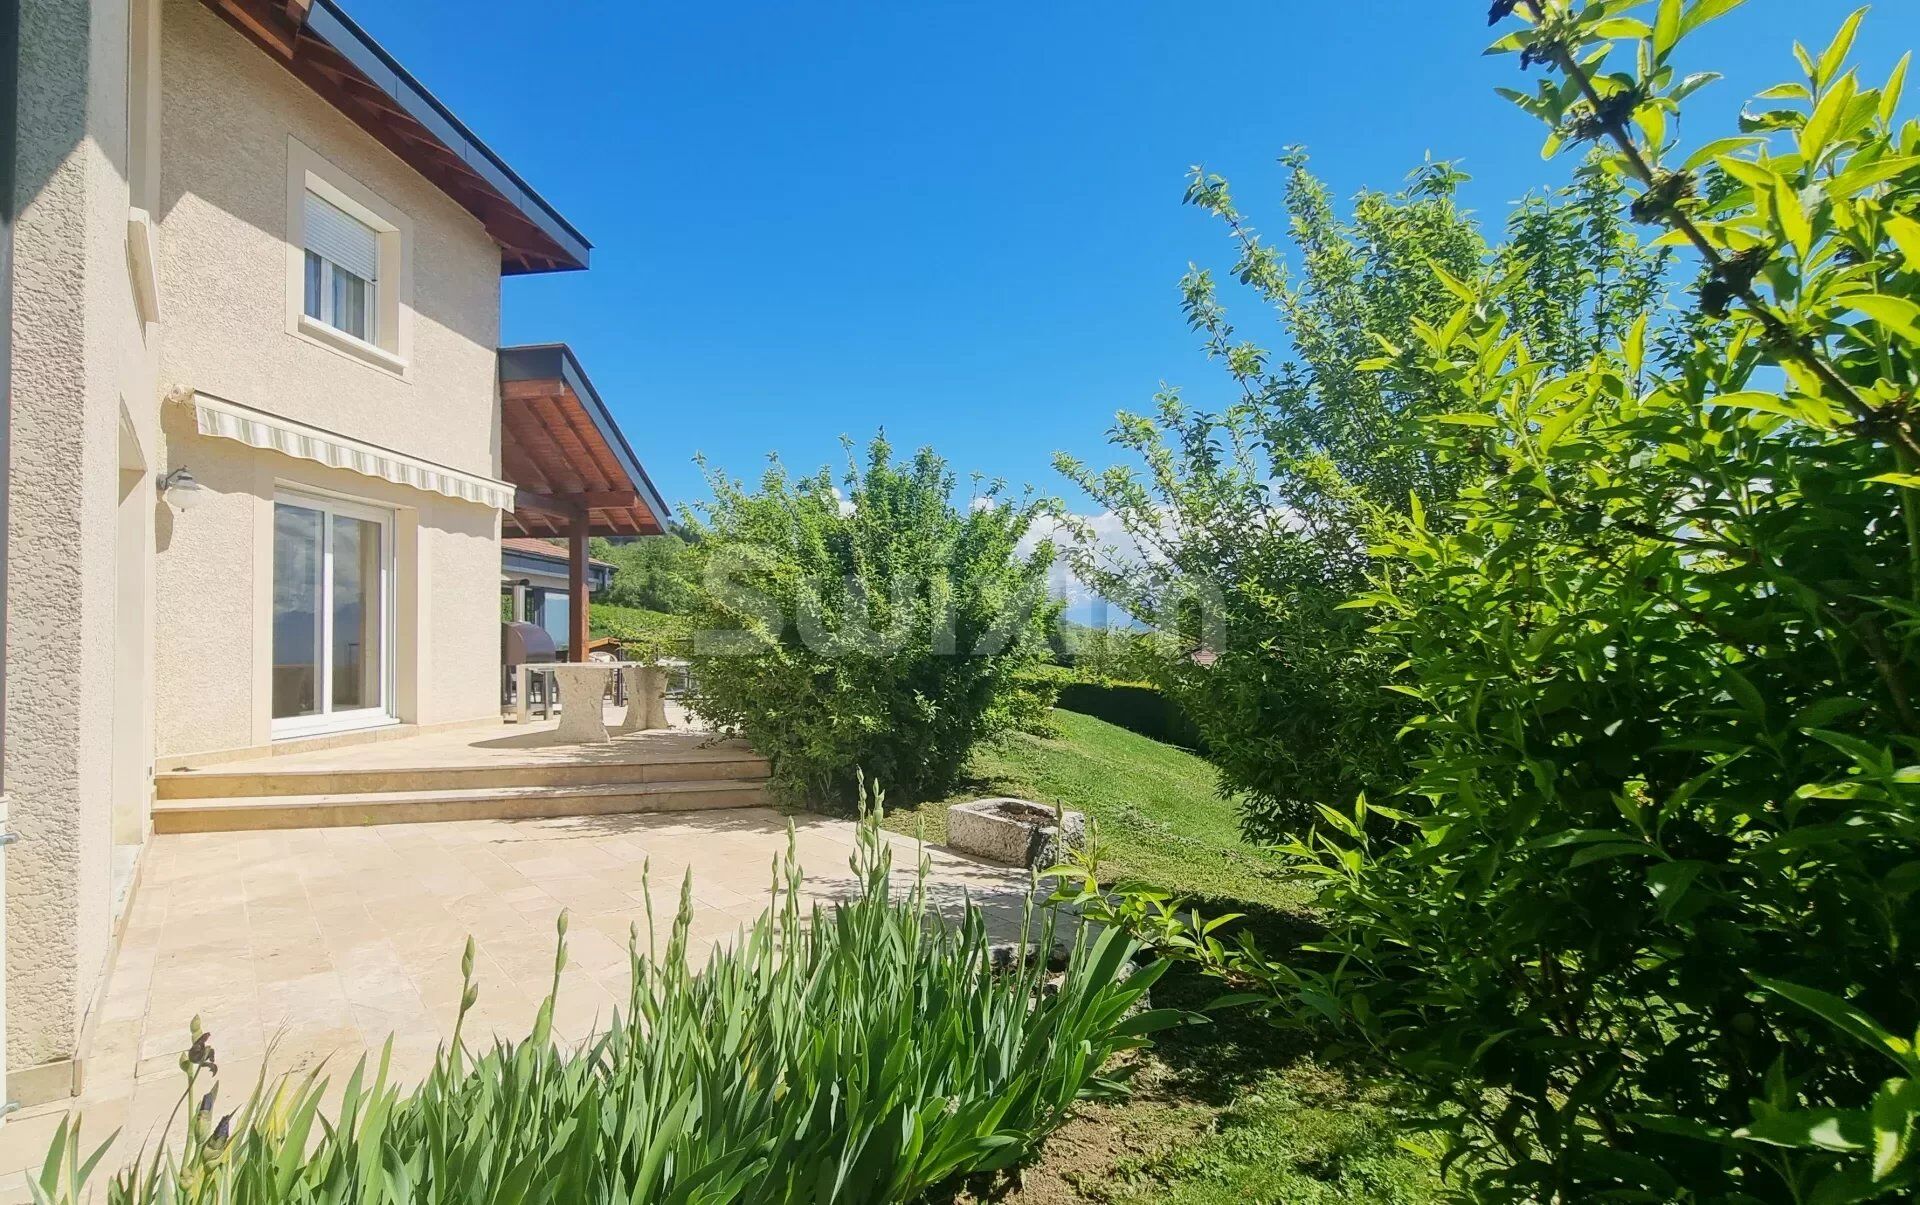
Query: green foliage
{"points": [[1217, 1111], [643, 635], [1160, 820], [1252, 521], [652, 573], [1653, 937], [1298, 1138], [1135, 707], [1035, 692], [884, 630], [860, 1054], [1106, 654]]}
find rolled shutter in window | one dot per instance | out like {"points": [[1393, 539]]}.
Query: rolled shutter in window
{"points": [[346, 240]]}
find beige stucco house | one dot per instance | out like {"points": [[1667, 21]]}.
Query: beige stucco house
{"points": [[263, 440]]}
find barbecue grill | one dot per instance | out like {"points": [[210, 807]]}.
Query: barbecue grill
{"points": [[526, 644]]}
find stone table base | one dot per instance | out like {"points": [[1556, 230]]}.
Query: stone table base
{"points": [[646, 699], [581, 686]]}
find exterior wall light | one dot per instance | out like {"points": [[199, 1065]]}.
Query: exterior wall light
{"points": [[181, 490]]}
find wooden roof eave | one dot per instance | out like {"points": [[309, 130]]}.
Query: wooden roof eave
{"points": [[328, 52], [565, 468], [569, 455]]}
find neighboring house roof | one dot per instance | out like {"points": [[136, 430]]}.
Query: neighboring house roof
{"points": [[321, 45], [521, 556], [533, 546], [562, 450]]}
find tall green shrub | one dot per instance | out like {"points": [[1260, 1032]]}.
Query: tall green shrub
{"points": [[651, 573], [883, 629], [1251, 522], [863, 1053], [1653, 936]]}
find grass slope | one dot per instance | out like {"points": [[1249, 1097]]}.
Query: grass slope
{"points": [[1159, 818], [1233, 1112]]}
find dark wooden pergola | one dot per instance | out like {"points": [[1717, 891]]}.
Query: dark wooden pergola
{"points": [[571, 468]]}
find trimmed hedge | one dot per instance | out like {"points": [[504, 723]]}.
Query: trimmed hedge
{"points": [[643, 635], [1141, 709]]}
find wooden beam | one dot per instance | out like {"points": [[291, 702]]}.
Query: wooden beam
{"points": [[517, 463], [526, 389], [546, 504], [270, 26], [593, 448], [545, 439], [606, 499], [515, 467], [577, 597]]}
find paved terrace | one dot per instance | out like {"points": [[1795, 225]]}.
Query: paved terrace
{"points": [[300, 945]]}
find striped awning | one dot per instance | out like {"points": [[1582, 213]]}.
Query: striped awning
{"points": [[223, 419]]}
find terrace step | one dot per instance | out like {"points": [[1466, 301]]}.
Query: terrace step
{"points": [[236, 813], [216, 782]]}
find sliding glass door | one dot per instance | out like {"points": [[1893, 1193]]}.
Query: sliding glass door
{"points": [[332, 615]]}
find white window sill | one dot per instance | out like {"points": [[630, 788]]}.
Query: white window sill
{"points": [[328, 337], [141, 261], [311, 727]]}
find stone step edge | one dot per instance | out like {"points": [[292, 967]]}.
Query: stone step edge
{"points": [[348, 809], [180, 785]]}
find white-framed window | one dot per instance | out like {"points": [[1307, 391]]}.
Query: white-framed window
{"points": [[342, 270], [333, 621], [349, 264]]}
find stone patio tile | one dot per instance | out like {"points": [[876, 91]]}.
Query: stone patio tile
{"points": [[617, 924], [24, 1140], [286, 963], [592, 949], [308, 947], [717, 895], [406, 1019], [584, 896], [318, 997], [439, 939], [529, 899], [490, 871]]}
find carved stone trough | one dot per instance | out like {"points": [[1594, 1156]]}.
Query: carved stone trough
{"points": [[1015, 832]]}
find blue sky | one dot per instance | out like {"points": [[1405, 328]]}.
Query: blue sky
{"points": [[960, 220]]}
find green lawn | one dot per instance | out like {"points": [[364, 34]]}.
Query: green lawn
{"points": [[1156, 811], [1233, 1112]]}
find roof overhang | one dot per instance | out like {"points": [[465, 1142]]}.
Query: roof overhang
{"points": [[515, 563], [564, 454], [321, 45]]}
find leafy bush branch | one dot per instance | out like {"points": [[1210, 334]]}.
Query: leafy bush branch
{"points": [[1641, 918], [1251, 524], [881, 628]]}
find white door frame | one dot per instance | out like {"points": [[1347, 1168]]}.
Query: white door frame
{"points": [[327, 719]]}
